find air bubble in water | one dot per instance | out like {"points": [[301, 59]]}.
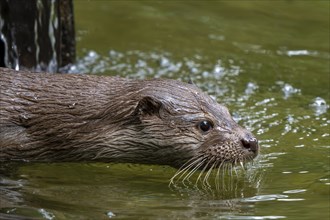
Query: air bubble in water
{"points": [[320, 106]]}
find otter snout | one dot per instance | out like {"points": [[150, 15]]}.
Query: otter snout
{"points": [[250, 143]]}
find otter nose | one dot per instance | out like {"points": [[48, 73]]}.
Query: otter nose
{"points": [[250, 144]]}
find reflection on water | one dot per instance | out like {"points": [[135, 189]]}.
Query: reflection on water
{"points": [[269, 63], [64, 186]]}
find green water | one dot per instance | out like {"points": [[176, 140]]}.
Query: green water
{"points": [[268, 61]]}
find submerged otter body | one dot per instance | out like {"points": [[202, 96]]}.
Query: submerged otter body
{"points": [[66, 117]]}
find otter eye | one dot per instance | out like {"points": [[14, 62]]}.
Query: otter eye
{"points": [[205, 126]]}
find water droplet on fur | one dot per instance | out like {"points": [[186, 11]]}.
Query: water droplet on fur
{"points": [[72, 105]]}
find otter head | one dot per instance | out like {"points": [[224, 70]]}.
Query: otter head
{"points": [[179, 125]]}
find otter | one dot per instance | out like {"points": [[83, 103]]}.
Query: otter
{"points": [[74, 117]]}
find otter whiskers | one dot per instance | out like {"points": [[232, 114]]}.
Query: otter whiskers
{"points": [[207, 168]]}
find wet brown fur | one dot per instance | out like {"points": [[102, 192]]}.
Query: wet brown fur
{"points": [[66, 117]]}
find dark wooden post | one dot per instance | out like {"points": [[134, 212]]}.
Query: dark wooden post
{"points": [[36, 35]]}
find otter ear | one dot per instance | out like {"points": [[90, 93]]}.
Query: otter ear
{"points": [[148, 106]]}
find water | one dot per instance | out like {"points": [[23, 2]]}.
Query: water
{"points": [[267, 61]]}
